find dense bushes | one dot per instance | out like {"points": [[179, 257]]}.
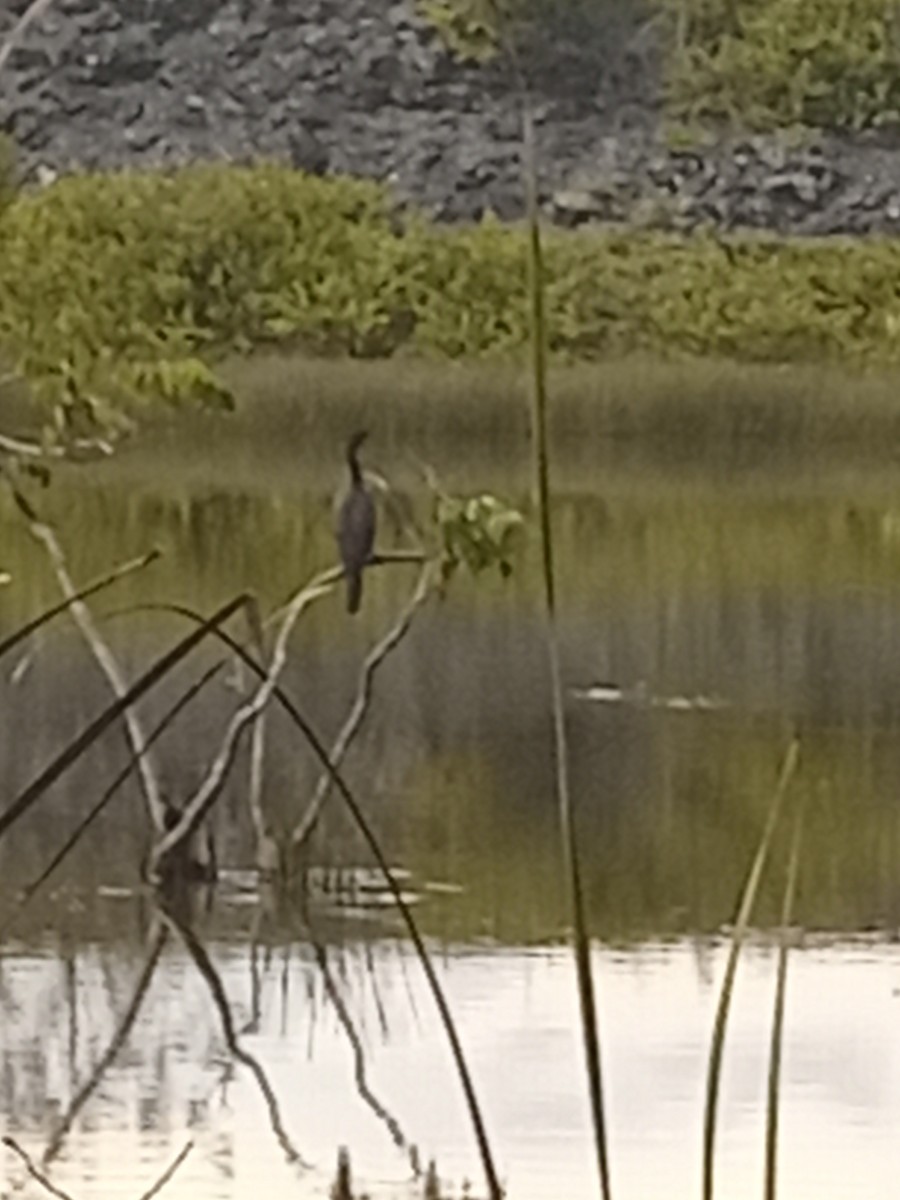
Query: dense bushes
{"points": [[105, 278], [124, 285], [770, 63]]}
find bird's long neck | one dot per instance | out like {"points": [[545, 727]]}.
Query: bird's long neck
{"points": [[356, 474]]}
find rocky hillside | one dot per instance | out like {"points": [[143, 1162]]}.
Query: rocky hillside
{"points": [[364, 86]]}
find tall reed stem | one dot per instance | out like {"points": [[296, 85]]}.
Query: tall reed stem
{"points": [[581, 941], [787, 911], [742, 921]]}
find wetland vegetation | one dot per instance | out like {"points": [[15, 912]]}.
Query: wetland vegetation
{"points": [[719, 552]]}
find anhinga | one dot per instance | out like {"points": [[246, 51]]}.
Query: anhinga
{"points": [[355, 525]]}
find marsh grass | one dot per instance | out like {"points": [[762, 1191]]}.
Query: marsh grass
{"points": [[689, 402]]}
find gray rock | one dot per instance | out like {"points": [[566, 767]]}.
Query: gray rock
{"points": [[366, 86], [307, 152]]}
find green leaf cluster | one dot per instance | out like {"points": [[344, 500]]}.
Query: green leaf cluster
{"points": [[478, 532], [471, 28], [772, 63]]}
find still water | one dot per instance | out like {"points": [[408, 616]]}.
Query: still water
{"points": [[173, 1081], [771, 588]]}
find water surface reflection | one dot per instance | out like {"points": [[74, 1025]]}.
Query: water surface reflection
{"points": [[516, 1008]]}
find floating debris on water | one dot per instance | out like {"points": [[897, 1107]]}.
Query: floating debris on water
{"points": [[641, 697]]}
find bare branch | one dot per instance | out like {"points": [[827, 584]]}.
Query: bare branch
{"points": [[426, 584], [257, 751], [81, 615], [81, 829], [89, 589], [83, 448], [332, 575], [208, 792], [72, 752], [33, 1171], [22, 449], [371, 839]]}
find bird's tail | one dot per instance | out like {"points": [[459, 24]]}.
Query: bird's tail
{"points": [[354, 591]]}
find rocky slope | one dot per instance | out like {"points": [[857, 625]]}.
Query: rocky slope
{"points": [[364, 86]]}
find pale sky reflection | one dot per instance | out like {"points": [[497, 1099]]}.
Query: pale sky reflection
{"points": [[517, 1014]]}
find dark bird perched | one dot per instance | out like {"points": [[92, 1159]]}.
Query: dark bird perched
{"points": [[355, 525]]}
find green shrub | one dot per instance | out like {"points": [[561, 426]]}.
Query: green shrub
{"points": [[770, 63], [105, 277], [8, 177], [121, 288]]}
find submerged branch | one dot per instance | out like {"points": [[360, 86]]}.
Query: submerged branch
{"points": [[213, 981], [426, 584], [51, 1187]]}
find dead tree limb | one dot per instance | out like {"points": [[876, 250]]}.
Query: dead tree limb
{"points": [[90, 589], [426, 584], [209, 790], [106, 661]]}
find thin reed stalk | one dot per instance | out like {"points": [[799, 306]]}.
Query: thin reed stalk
{"points": [[43, 533], [495, 1191], [541, 467], [739, 932], [82, 742], [29, 892], [774, 1081], [25, 631]]}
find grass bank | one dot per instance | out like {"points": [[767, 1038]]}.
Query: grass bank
{"points": [[129, 285]]}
